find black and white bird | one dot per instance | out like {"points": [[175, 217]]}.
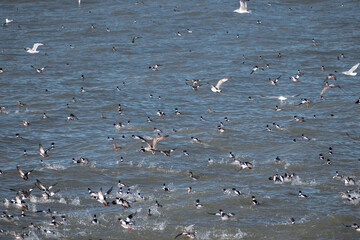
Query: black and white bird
{"points": [[127, 222], [24, 175], [39, 70], [223, 215], [256, 68], [301, 195]]}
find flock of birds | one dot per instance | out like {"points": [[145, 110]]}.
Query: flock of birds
{"points": [[125, 198]]}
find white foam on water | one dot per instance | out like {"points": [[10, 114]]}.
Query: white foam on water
{"points": [[53, 167], [75, 201], [298, 181], [62, 200]]}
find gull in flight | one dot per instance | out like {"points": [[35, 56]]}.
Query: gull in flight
{"points": [[281, 98], [7, 21], [216, 89], [34, 48], [351, 72], [150, 147], [242, 8], [329, 86]]}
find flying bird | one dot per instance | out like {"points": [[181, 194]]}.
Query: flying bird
{"points": [[351, 72], [101, 197], [39, 70], [329, 86], [242, 8], [46, 190], [42, 151], [24, 175], [329, 75], [216, 89], [281, 98], [127, 222], [134, 39], [7, 21], [152, 147], [275, 81], [256, 68], [34, 48]]}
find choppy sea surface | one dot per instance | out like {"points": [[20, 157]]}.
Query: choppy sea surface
{"points": [[89, 46]]}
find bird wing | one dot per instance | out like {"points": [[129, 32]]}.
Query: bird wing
{"points": [[109, 191], [158, 138], [142, 139], [178, 235], [243, 5], [128, 219], [148, 144], [213, 213], [50, 187], [36, 45], [354, 67], [101, 195], [221, 81], [17, 198], [41, 149], [40, 185], [20, 171], [324, 89]]}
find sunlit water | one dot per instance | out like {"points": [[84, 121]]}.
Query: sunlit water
{"points": [[222, 44]]}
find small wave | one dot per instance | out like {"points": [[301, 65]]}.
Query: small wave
{"points": [[226, 235], [75, 201], [297, 181], [52, 167], [34, 199], [62, 200], [159, 226]]}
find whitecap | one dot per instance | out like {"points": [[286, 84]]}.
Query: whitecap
{"points": [[75, 201], [159, 226], [297, 181], [53, 167]]}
